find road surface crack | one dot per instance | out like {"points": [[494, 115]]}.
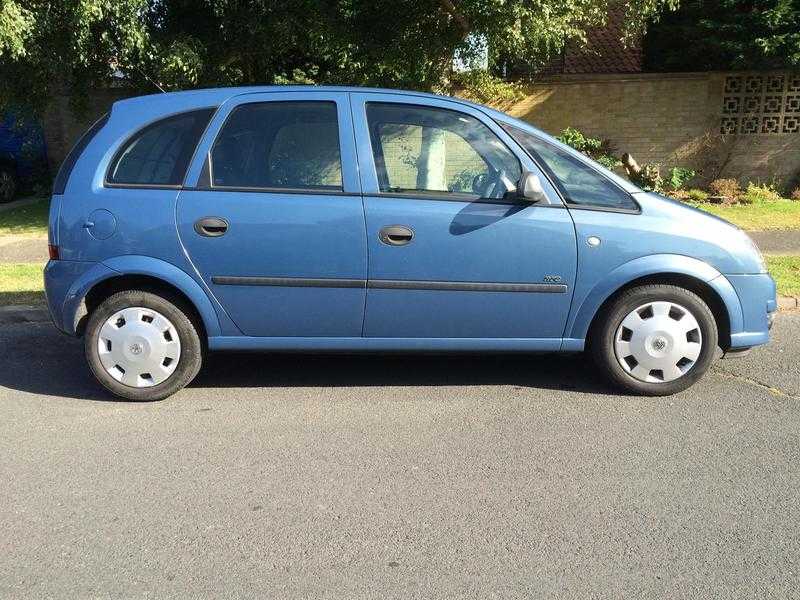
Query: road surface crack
{"points": [[749, 380]]}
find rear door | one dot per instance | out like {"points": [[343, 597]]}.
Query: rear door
{"points": [[273, 220], [449, 255]]}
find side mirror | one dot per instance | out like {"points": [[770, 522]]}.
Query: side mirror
{"points": [[530, 188]]}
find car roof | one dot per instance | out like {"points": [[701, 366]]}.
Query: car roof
{"points": [[132, 113], [216, 96]]}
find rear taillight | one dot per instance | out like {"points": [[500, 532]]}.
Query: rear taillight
{"points": [[53, 251]]}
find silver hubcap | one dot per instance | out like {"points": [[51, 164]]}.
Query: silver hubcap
{"points": [[139, 347], [658, 342]]}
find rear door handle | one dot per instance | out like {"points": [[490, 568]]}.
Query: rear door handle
{"points": [[211, 226], [396, 235]]}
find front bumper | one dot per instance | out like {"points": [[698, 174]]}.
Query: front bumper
{"points": [[758, 301]]}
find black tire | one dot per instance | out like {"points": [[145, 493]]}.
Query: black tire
{"points": [[602, 336], [8, 184], [191, 353]]}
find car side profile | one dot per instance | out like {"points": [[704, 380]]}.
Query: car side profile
{"points": [[351, 219]]}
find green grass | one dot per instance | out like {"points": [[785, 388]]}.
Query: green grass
{"points": [[29, 220], [786, 271], [760, 216], [21, 283]]}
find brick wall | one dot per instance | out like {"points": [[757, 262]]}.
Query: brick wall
{"points": [[712, 122]]}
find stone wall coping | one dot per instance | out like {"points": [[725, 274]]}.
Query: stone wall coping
{"points": [[618, 77]]}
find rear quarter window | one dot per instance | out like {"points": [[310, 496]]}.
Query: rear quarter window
{"points": [[60, 182], [159, 154]]}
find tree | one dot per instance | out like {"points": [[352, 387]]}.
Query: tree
{"points": [[706, 35], [178, 44]]}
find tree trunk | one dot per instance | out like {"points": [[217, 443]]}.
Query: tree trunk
{"points": [[432, 159]]}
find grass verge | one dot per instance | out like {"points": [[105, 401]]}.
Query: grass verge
{"points": [[786, 271], [759, 216], [21, 283], [29, 220]]}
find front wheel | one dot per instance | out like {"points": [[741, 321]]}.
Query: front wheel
{"points": [[655, 340], [142, 346]]}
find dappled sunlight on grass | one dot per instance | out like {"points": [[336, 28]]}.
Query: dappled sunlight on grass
{"points": [[28, 220]]}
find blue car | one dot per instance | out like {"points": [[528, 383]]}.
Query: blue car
{"points": [[350, 219]]}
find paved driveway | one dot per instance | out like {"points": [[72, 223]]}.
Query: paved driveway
{"points": [[398, 477]]}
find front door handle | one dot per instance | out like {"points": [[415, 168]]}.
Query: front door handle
{"points": [[396, 235], [211, 226]]}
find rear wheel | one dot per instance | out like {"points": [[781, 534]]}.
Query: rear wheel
{"points": [[655, 340], [8, 184], [142, 346]]}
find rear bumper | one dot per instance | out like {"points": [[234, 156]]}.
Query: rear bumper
{"points": [[64, 289], [758, 301]]}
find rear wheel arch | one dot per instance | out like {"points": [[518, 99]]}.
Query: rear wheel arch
{"points": [[106, 288], [701, 288]]}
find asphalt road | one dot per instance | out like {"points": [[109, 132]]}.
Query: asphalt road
{"points": [[398, 477]]}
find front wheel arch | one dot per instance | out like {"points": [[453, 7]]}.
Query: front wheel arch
{"points": [[706, 293]]}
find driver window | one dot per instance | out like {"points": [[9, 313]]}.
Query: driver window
{"points": [[422, 149]]}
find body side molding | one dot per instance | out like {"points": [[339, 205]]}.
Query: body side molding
{"points": [[393, 284]]}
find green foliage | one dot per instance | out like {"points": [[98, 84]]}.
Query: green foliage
{"points": [[16, 24], [705, 35], [679, 176], [481, 86], [575, 138], [696, 195], [759, 193], [596, 149], [47, 46], [608, 161]]}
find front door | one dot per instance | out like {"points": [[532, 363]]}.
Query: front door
{"points": [[450, 256], [274, 222]]}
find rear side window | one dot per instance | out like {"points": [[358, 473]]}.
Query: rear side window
{"points": [[580, 184], [279, 145], [159, 154], [60, 182]]}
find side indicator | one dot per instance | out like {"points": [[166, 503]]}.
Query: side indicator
{"points": [[593, 241], [52, 251]]}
